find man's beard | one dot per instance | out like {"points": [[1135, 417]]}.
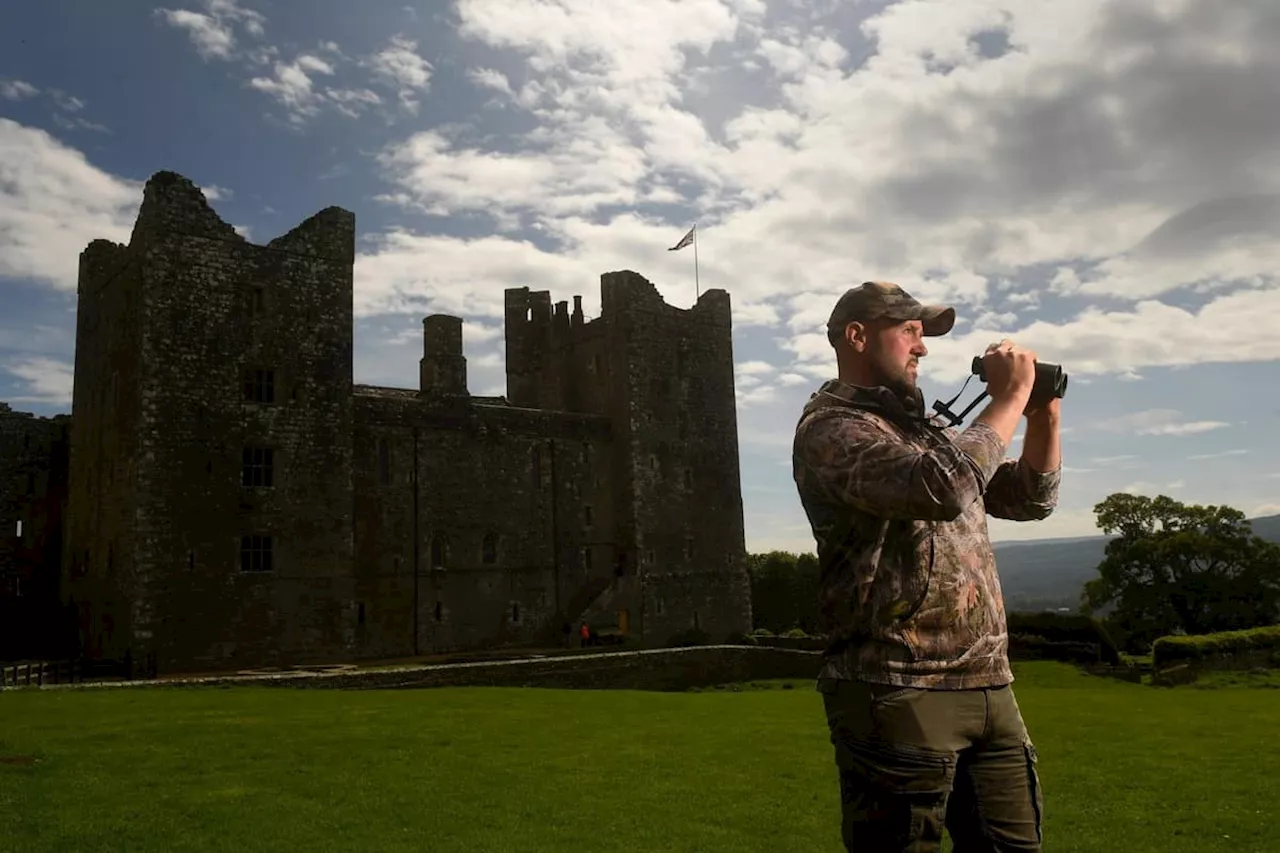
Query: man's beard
{"points": [[898, 379]]}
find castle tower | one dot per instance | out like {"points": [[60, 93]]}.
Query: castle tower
{"points": [[671, 398], [211, 438], [443, 369]]}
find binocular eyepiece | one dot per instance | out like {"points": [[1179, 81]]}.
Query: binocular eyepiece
{"points": [[1051, 380]]}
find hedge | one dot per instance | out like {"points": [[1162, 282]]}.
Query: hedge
{"points": [[1044, 629], [1167, 651]]}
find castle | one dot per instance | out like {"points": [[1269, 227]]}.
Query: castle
{"points": [[233, 499]]}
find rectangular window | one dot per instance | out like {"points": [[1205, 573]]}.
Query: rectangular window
{"points": [[586, 515], [255, 553], [258, 467], [384, 462], [586, 558], [260, 386], [255, 301]]}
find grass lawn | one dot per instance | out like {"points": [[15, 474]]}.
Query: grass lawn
{"points": [[1125, 768]]}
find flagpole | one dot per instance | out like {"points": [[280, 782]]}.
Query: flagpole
{"points": [[697, 286]]}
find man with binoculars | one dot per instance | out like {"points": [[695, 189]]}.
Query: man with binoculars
{"points": [[916, 680]]}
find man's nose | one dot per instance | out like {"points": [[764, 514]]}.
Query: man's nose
{"points": [[920, 350]]}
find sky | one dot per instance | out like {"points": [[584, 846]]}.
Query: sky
{"points": [[1098, 181]]}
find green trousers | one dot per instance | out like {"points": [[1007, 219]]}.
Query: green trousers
{"points": [[912, 762]]}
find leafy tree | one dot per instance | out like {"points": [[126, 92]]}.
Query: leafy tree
{"points": [[1178, 568], [784, 590]]}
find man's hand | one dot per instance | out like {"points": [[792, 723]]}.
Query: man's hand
{"points": [[1010, 370]]}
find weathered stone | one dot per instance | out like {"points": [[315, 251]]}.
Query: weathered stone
{"points": [[33, 491], [653, 669], [235, 500]]}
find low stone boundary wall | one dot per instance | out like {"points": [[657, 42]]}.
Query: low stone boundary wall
{"points": [[647, 669]]}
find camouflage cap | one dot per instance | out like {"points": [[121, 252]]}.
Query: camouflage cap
{"points": [[876, 300]]}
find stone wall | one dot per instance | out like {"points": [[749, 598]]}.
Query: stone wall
{"points": [[99, 560], [653, 669], [33, 492], [678, 440], [496, 507]]}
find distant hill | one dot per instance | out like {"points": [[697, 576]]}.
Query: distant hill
{"points": [[1051, 573]]}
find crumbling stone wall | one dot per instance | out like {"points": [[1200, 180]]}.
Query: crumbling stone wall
{"points": [[33, 492]]}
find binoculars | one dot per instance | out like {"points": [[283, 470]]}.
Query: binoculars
{"points": [[1051, 380]]}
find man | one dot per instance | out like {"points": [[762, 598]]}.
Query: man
{"points": [[916, 678]]}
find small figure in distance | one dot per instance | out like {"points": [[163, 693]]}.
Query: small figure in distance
{"points": [[916, 682]]}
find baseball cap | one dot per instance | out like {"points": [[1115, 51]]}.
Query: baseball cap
{"points": [[875, 300]]}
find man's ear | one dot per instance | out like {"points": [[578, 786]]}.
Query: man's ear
{"points": [[855, 335]]}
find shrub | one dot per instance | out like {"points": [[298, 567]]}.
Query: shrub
{"points": [[1170, 650]]}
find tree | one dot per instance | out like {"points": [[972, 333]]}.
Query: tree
{"points": [[784, 590], [1182, 568]]}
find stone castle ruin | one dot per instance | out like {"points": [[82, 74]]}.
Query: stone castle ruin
{"points": [[234, 499]]}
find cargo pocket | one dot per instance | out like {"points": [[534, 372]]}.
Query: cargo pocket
{"points": [[1037, 796], [893, 794]]}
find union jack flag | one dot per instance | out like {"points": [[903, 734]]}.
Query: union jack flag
{"points": [[684, 241]]}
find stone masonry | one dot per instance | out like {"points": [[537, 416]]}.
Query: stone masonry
{"points": [[33, 493], [235, 500]]}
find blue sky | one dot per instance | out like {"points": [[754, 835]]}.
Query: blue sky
{"points": [[1097, 180]]}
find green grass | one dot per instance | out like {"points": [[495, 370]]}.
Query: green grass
{"points": [[1124, 767]]}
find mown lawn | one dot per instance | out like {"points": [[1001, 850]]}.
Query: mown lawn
{"points": [[1125, 768]]}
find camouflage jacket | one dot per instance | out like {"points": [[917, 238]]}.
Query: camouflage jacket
{"points": [[909, 593]]}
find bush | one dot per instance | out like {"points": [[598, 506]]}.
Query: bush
{"points": [[796, 634], [737, 638], [1071, 628], [762, 632], [1170, 650]]}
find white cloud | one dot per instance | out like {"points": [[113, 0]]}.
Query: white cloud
{"points": [[290, 83], [1161, 422], [1220, 455], [399, 65], [48, 380], [53, 203], [213, 34], [17, 90]]}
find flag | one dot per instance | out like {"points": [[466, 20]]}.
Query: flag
{"points": [[684, 241]]}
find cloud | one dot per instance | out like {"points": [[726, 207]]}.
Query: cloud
{"points": [[53, 203], [399, 65], [1221, 455], [48, 380], [17, 90], [291, 84], [1160, 422], [214, 33], [1017, 151]]}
